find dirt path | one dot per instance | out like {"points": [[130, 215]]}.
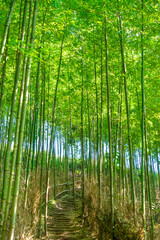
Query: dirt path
{"points": [[64, 221]]}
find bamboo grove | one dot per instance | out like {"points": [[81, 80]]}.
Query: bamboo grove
{"points": [[79, 97]]}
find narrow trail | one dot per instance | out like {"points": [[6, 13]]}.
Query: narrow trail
{"points": [[64, 222]]}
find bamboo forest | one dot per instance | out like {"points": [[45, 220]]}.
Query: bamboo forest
{"points": [[79, 119]]}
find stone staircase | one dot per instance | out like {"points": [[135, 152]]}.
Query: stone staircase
{"points": [[64, 221]]}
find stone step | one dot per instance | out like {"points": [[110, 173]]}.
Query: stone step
{"points": [[63, 222]]}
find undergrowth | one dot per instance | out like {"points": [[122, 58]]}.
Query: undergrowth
{"points": [[27, 221], [99, 219]]}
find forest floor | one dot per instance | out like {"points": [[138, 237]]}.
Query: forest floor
{"points": [[64, 220]]}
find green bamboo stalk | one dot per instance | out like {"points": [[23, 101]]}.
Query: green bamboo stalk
{"points": [[6, 29], [48, 116], [10, 131], [101, 129], [40, 132], [123, 174], [2, 153], [42, 160], [21, 133], [3, 76], [157, 159], [143, 119], [128, 117], [28, 167], [149, 181], [16, 134], [41, 183], [97, 119], [94, 147], [66, 157], [89, 132], [126, 185], [110, 135], [3, 79], [103, 161], [120, 143], [73, 170], [115, 155], [152, 175], [86, 152], [82, 146]]}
